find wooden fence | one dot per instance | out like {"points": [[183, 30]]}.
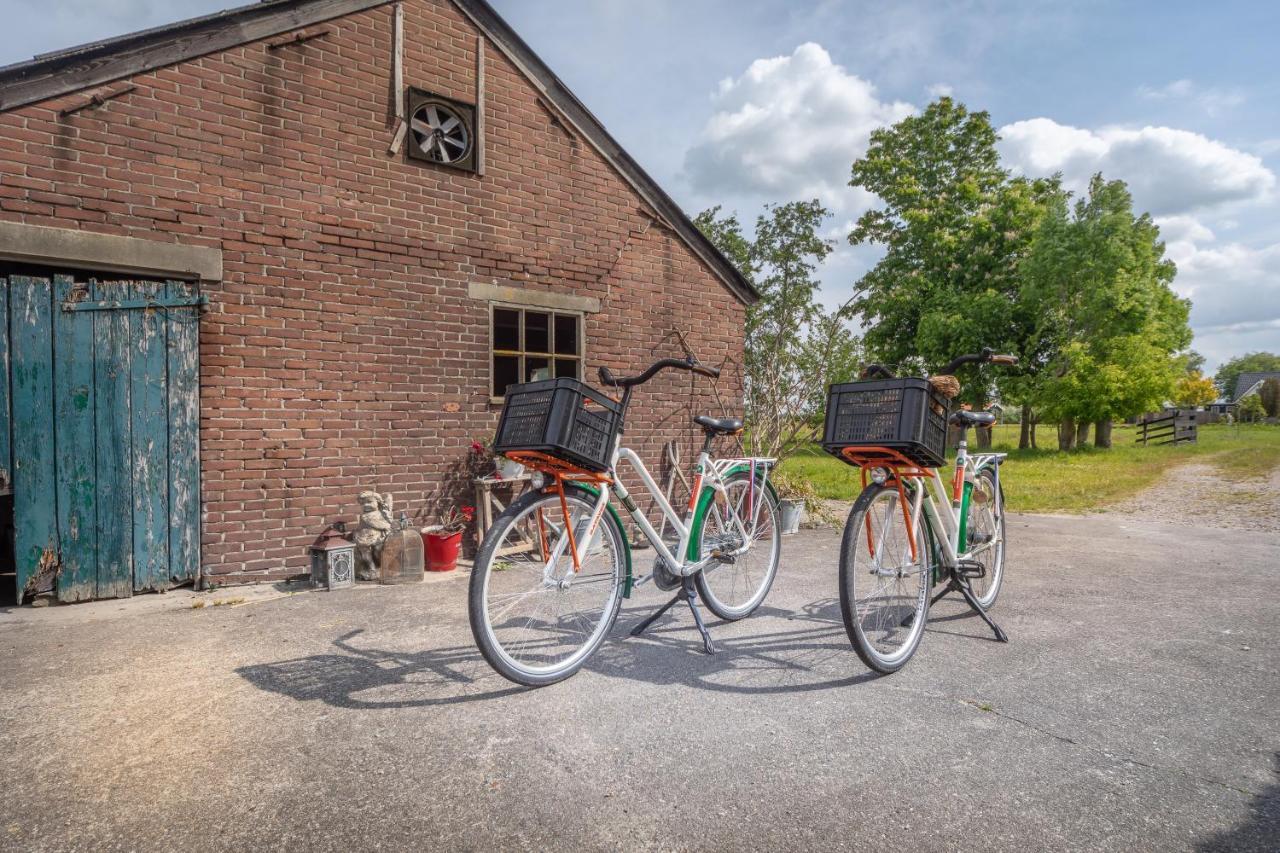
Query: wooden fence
{"points": [[1175, 427]]}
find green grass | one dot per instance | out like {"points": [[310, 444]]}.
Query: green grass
{"points": [[1046, 480]]}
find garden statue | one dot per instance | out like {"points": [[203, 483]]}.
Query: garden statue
{"points": [[375, 524]]}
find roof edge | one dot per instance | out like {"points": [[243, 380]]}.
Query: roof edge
{"points": [[51, 75], [63, 72], [523, 56]]}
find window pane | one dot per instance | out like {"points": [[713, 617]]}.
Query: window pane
{"points": [[567, 367], [506, 371], [537, 369], [567, 335], [506, 329], [537, 332]]}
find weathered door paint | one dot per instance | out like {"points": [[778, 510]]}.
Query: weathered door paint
{"points": [[75, 451], [148, 405], [184, 436], [35, 522], [105, 435], [113, 477]]}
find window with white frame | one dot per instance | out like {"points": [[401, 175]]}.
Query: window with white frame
{"points": [[530, 344]]}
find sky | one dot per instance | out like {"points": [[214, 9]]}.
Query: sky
{"points": [[744, 102]]}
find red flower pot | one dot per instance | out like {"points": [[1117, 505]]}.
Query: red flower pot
{"points": [[442, 550]]}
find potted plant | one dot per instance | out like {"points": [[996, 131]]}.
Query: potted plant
{"points": [[442, 541], [798, 501], [503, 468]]}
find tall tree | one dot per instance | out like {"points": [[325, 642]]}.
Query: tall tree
{"points": [[955, 228], [1099, 283], [793, 347]]}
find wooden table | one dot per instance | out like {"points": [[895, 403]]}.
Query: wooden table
{"points": [[487, 501]]}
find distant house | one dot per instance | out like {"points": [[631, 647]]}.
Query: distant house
{"points": [[1250, 383]]}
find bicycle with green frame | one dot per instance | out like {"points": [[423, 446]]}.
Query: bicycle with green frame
{"points": [[551, 572], [910, 529]]}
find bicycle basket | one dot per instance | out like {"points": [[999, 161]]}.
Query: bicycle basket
{"points": [[563, 418], [905, 415]]}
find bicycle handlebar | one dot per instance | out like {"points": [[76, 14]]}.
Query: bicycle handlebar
{"points": [[987, 355], [873, 370], [607, 377]]}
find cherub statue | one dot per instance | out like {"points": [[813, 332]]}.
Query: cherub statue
{"points": [[375, 524]]}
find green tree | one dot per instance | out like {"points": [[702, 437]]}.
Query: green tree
{"points": [[1250, 409], [1269, 394], [1252, 362], [1193, 362], [1099, 284], [955, 228], [793, 347], [1194, 390]]}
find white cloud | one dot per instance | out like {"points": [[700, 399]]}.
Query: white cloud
{"points": [[1212, 101], [1234, 288], [1184, 229], [940, 90], [1170, 171], [790, 127]]}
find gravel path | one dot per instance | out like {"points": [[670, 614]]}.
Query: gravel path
{"points": [[1196, 494]]}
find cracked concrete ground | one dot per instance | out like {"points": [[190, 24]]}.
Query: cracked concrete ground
{"points": [[1136, 708]]}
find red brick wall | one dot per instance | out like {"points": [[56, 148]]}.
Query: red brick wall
{"points": [[342, 351]]}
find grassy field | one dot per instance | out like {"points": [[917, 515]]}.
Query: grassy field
{"points": [[1049, 481]]}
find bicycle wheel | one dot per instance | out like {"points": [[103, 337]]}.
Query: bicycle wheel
{"points": [[884, 593], [734, 590], [536, 620], [986, 527]]}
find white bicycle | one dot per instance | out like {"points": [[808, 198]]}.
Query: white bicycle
{"points": [[909, 528], [551, 572]]}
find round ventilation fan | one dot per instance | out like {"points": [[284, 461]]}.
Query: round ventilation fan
{"points": [[440, 133]]}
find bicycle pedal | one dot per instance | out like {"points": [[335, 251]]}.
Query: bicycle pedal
{"points": [[971, 569]]}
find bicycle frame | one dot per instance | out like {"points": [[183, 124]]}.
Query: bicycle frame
{"points": [[924, 494], [709, 474], [950, 516]]}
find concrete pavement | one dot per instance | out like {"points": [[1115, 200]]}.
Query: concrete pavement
{"points": [[1137, 707]]}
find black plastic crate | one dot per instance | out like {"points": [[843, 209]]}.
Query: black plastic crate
{"points": [[561, 417], [905, 415]]}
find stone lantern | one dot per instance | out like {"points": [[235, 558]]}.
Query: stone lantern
{"points": [[333, 558]]}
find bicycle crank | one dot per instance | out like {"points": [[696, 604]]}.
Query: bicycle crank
{"points": [[663, 577]]}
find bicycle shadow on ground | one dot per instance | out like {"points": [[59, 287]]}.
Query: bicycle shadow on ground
{"points": [[815, 656], [340, 679], [1259, 830]]}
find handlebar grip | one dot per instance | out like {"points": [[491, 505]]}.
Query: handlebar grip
{"points": [[1004, 359], [606, 376]]}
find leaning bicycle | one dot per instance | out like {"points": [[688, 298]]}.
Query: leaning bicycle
{"points": [[910, 529], [551, 573]]}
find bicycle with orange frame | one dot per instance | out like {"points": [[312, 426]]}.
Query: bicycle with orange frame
{"points": [[551, 572], [910, 528]]}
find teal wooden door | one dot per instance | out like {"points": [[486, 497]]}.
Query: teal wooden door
{"points": [[102, 411]]}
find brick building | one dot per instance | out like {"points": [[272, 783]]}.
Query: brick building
{"points": [[255, 262]]}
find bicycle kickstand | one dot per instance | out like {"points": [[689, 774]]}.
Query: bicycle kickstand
{"points": [[653, 617], [688, 593], [691, 595], [967, 592]]}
